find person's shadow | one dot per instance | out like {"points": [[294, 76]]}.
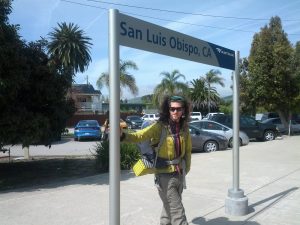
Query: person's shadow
{"points": [[220, 221]]}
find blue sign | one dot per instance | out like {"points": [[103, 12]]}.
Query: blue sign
{"points": [[146, 36]]}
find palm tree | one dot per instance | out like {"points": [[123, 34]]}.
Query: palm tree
{"points": [[199, 93], [126, 79], [169, 85], [69, 49], [212, 77]]}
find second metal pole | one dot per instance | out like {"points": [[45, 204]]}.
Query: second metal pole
{"points": [[236, 202], [236, 125]]}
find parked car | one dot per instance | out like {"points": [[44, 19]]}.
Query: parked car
{"points": [[134, 122], [196, 116], [151, 116], [87, 129], [206, 141], [217, 128], [210, 115], [268, 115], [253, 128], [296, 117], [295, 127]]}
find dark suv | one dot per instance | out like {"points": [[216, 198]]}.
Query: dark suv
{"points": [[134, 122], [251, 127]]}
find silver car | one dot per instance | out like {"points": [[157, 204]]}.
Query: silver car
{"points": [[293, 126], [217, 128], [206, 141]]}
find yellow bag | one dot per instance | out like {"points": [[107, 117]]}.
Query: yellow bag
{"points": [[142, 167]]}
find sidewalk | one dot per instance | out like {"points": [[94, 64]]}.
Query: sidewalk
{"points": [[269, 176]]}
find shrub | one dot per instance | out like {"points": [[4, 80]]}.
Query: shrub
{"points": [[128, 156], [102, 156]]}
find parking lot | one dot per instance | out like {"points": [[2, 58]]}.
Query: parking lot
{"points": [[65, 147], [269, 176]]}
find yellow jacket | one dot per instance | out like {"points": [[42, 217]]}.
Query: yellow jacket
{"points": [[167, 148]]}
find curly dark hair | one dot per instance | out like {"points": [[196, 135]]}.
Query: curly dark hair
{"points": [[165, 113]]}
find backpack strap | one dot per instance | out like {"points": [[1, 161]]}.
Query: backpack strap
{"points": [[163, 135]]}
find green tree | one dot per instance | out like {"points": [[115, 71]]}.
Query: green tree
{"points": [[5, 10], [247, 105], [69, 49], [296, 59], [212, 77], [32, 96], [11, 65], [296, 75], [170, 85], [147, 99], [37, 112], [199, 93], [270, 70], [126, 79]]}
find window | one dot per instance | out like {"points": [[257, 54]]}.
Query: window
{"points": [[247, 121], [212, 126], [277, 121], [192, 131], [199, 124]]}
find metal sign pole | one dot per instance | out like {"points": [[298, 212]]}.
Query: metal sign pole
{"points": [[236, 126], [120, 33], [236, 202], [114, 120]]}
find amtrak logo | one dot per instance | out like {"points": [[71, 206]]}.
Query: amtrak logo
{"points": [[224, 53]]}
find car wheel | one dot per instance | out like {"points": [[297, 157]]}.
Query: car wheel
{"points": [[269, 135], [230, 143], [211, 146]]}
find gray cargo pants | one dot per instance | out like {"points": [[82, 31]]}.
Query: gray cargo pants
{"points": [[170, 187]]}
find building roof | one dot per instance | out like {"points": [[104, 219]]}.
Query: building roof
{"points": [[85, 89]]}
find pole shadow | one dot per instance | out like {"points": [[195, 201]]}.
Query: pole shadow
{"points": [[225, 221]]}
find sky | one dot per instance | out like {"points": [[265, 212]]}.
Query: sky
{"points": [[227, 23]]}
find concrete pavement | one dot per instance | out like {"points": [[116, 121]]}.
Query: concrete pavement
{"points": [[65, 147], [269, 176]]}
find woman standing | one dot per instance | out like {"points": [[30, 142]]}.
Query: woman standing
{"points": [[175, 148]]}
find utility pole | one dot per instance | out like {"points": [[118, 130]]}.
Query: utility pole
{"points": [[87, 79]]}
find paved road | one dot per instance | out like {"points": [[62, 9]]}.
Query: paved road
{"points": [[269, 175], [65, 147]]}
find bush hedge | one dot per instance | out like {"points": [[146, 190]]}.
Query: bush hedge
{"points": [[128, 156]]}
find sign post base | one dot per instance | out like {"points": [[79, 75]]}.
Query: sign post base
{"points": [[236, 203]]}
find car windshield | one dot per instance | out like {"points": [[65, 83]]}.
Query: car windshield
{"points": [[88, 124], [134, 118]]}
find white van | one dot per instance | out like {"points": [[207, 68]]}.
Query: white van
{"points": [[196, 116], [150, 117], [210, 115]]}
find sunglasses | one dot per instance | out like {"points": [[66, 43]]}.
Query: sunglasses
{"points": [[178, 109]]}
